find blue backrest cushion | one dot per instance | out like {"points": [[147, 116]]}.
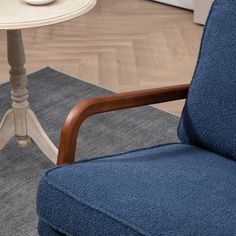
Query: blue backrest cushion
{"points": [[209, 116]]}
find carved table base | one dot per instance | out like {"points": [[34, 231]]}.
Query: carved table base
{"points": [[20, 121]]}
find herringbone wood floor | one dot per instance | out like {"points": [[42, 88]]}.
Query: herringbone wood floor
{"points": [[121, 45]]}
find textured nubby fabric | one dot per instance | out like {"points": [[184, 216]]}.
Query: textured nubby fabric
{"points": [[52, 95], [174, 189], [209, 116], [48, 230]]}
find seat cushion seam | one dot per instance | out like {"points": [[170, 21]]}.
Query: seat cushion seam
{"points": [[54, 227], [112, 155], [87, 204]]}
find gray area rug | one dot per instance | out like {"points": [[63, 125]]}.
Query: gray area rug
{"points": [[52, 95]]}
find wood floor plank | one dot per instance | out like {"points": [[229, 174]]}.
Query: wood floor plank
{"points": [[121, 45]]}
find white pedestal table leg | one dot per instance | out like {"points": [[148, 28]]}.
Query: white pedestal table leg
{"points": [[20, 121]]}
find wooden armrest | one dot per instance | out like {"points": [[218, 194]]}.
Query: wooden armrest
{"points": [[90, 106]]}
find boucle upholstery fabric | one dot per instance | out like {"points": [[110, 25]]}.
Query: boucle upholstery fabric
{"points": [[209, 116], [173, 189]]}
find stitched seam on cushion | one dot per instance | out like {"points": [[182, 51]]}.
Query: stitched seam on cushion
{"points": [[87, 204], [94, 159], [55, 227], [110, 156], [197, 65]]}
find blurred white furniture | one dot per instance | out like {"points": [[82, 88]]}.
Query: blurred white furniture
{"points": [[188, 4], [200, 7], [20, 121], [201, 10]]}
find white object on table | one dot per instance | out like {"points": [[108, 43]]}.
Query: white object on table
{"points": [[20, 121], [39, 2]]}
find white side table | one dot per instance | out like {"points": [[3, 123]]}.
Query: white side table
{"points": [[20, 121]]}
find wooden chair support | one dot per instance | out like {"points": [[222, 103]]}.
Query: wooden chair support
{"points": [[91, 106]]}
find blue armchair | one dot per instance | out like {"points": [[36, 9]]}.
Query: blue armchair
{"points": [[186, 188]]}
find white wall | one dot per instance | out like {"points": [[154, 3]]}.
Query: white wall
{"points": [[188, 4]]}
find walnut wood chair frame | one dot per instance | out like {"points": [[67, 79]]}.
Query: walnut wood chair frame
{"points": [[100, 104]]}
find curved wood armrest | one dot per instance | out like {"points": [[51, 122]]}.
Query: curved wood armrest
{"points": [[100, 104]]}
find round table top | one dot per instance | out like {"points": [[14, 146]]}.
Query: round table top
{"points": [[16, 14]]}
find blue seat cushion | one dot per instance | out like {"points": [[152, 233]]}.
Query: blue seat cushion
{"points": [[173, 189], [44, 228], [209, 116]]}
